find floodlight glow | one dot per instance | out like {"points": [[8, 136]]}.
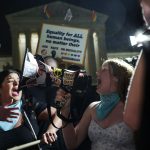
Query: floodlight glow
{"points": [[138, 39], [133, 40], [141, 38]]}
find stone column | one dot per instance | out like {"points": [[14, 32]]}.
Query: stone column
{"points": [[15, 49], [102, 52], [90, 63], [28, 40]]}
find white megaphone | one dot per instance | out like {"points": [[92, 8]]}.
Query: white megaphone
{"points": [[30, 67]]}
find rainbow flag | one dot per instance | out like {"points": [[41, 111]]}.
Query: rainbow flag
{"points": [[93, 16], [47, 12]]}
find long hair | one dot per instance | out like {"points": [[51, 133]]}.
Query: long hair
{"points": [[123, 72]]}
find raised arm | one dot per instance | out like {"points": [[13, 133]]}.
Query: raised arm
{"points": [[132, 112], [73, 136]]}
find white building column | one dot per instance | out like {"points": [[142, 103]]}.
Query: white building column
{"points": [[90, 62]]}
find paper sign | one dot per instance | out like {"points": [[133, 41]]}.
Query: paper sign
{"points": [[67, 43]]}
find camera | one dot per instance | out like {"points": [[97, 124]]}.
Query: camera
{"points": [[76, 83], [81, 85]]}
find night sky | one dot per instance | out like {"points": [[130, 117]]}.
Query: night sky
{"points": [[124, 19]]}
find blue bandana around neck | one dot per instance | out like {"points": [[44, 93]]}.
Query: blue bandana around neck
{"points": [[4, 125], [106, 104]]}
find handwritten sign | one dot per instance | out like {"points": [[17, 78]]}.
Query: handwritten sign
{"points": [[67, 43]]}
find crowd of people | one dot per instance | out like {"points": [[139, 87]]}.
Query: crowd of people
{"points": [[114, 116], [24, 113]]}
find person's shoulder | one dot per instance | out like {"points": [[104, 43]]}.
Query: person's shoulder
{"points": [[91, 108], [93, 104]]}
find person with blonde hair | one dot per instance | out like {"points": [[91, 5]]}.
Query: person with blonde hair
{"points": [[102, 121]]}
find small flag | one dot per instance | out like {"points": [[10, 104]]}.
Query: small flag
{"points": [[68, 16], [93, 16], [47, 11]]}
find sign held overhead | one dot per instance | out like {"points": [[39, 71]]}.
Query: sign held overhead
{"points": [[67, 43]]}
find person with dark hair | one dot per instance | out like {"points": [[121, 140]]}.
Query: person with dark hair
{"points": [[15, 126], [102, 121], [4, 112], [136, 113], [45, 94]]}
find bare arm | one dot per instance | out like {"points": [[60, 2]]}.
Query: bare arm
{"points": [[133, 105], [44, 114], [50, 135], [74, 136]]}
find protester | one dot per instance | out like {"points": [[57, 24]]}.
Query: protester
{"points": [[137, 111], [44, 92], [83, 94], [103, 120], [134, 98], [15, 127]]}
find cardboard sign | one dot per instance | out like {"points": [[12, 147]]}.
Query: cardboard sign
{"points": [[67, 43]]}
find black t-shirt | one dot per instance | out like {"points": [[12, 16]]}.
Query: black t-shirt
{"points": [[23, 134], [16, 137], [39, 98]]}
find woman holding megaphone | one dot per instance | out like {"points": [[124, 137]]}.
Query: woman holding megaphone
{"points": [[15, 126]]}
